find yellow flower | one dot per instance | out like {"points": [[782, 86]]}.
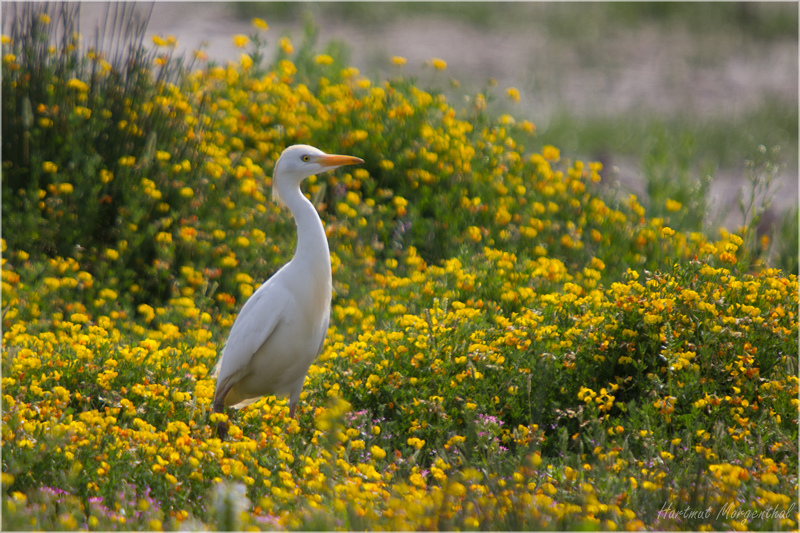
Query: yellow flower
{"points": [[78, 318], [536, 460], [188, 233], [377, 452], [358, 135], [351, 72], [513, 93], [474, 233], [159, 41], [651, 319], [323, 59], [260, 23], [65, 188], [399, 61], [673, 205], [286, 67], [147, 311], [649, 485], [400, 204], [245, 289], [83, 112], [528, 126], [439, 64], [286, 45], [240, 41], [667, 232], [246, 61], [108, 294], [551, 153], [456, 489], [49, 167], [416, 443]]}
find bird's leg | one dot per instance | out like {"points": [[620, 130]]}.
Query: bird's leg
{"points": [[222, 430], [222, 425], [291, 410]]}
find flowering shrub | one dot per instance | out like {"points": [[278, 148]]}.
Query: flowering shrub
{"points": [[96, 151], [508, 348]]}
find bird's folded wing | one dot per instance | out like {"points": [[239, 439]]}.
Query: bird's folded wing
{"points": [[256, 322]]}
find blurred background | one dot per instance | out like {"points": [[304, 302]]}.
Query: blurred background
{"points": [[683, 92]]}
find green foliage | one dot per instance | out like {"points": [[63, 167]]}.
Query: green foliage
{"points": [[786, 237]]}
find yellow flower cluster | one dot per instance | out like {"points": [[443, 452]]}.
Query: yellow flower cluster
{"points": [[156, 390]]}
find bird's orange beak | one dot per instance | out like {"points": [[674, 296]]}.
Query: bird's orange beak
{"points": [[336, 161]]}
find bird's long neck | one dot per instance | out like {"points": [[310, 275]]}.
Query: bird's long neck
{"points": [[312, 252]]}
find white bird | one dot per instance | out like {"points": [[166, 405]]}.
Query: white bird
{"points": [[282, 327]]}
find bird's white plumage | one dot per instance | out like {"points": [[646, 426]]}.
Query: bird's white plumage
{"points": [[252, 331], [282, 327]]}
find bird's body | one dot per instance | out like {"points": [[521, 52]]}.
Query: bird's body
{"points": [[282, 327]]}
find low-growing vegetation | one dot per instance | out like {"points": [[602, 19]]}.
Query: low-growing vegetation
{"points": [[511, 347]]}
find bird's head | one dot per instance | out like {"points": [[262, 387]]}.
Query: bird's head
{"points": [[300, 161]]}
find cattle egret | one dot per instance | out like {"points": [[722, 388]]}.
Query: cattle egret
{"points": [[282, 327]]}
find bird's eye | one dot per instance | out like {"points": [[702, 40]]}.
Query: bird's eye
{"points": [[306, 158]]}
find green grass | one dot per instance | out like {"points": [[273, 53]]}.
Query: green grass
{"points": [[719, 141]]}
